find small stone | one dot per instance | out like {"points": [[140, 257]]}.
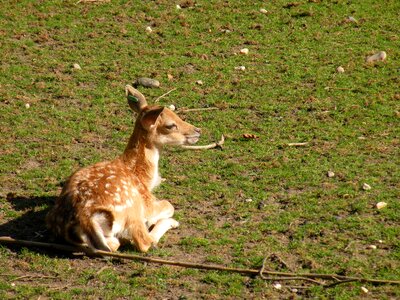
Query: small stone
{"points": [[380, 241], [294, 290], [12, 284], [381, 205], [148, 29], [340, 69], [330, 174], [27, 105], [248, 200], [366, 186], [364, 289], [352, 19], [240, 68], [278, 286], [199, 82], [147, 82], [178, 6], [263, 11], [244, 51], [372, 247], [380, 56], [76, 67], [172, 107]]}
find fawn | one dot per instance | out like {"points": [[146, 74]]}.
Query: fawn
{"points": [[110, 203]]}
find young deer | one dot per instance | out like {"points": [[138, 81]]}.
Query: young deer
{"points": [[109, 203]]}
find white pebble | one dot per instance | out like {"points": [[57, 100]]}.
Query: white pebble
{"points": [[249, 200], [380, 241], [352, 19], [340, 69], [330, 174], [263, 11], [148, 29], [172, 107], [380, 56], [278, 286], [27, 105], [77, 66], [381, 205], [199, 82], [240, 68], [178, 6], [366, 187], [13, 284], [364, 289], [244, 51], [372, 247]]}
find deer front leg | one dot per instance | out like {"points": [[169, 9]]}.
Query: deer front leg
{"points": [[158, 211], [161, 220], [161, 228]]}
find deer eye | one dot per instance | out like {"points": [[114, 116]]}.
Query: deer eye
{"points": [[171, 126]]}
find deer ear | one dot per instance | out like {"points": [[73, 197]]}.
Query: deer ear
{"points": [[136, 100], [150, 117]]}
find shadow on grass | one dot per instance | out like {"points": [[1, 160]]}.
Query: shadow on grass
{"points": [[31, 224]]}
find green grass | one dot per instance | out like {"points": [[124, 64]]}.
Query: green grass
{"points": [[289, 92]]}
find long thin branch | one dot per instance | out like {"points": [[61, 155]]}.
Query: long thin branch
{"points": [[184, 110], [163, 95], [250, 272], [210, 146]]}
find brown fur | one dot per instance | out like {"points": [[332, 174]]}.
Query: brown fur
{"points": [[109, 203]]}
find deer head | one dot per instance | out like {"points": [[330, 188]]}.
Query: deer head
{"points": [[163, 126]]}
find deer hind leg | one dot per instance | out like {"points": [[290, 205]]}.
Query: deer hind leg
{"points": [[99, 234]]}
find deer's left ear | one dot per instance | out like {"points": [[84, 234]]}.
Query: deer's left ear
{"points": [[150, 117], [136, 100]]}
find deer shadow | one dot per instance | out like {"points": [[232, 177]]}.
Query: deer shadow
{"points": [[31, 224]]}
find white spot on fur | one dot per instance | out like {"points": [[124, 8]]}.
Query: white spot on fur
{"points": [[89, 203], [111, 177], [117, 198], [107, 186], [119, 208]]}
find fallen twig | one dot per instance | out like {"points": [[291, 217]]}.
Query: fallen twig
{"points": [[297, 144], [184, 110], [89, 1], [210, 146], [163, 95], [250, 272]]}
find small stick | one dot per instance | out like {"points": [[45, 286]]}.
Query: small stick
{"points": [[210, 146], [297, 144], [184, 110], [89, 1], [163, 95]]}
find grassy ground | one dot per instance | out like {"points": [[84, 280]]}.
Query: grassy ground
{"points": [[255, 198]]}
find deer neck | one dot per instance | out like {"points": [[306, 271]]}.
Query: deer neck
{"points": [[141, 156]]}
